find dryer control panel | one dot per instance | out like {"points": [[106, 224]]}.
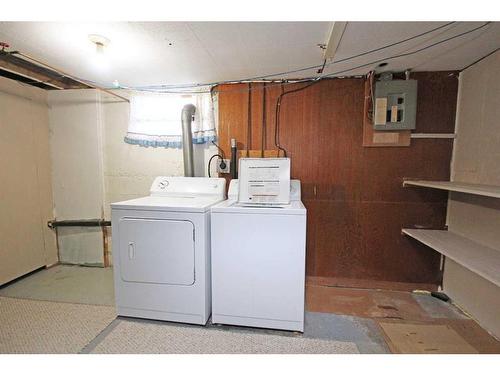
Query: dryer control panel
{"points": [[182, 186]]}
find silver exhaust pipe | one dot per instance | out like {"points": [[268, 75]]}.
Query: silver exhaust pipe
{"points": [[188, 112]]}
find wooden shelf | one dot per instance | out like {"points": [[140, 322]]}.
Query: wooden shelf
{"points": [[478, 258], [477, 189]]}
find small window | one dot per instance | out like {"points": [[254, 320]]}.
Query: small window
{"points": [[155, 119]]}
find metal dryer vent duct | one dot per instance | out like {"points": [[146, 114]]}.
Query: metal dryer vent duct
{"points": [[187, 139]]}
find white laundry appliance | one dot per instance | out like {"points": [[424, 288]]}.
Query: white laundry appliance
{"points": [[258, 262], [161, 250]]}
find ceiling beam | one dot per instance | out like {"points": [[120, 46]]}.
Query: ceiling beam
{"points": [[24, 68], [333, 43]]}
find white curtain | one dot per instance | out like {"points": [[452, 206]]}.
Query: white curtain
{"points": [[155, 119]]}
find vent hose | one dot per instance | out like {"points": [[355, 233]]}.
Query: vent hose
{"points": [[188, 112]]}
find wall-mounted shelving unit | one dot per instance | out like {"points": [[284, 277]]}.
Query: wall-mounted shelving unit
{"points": [[476, 257], [462, 187]]}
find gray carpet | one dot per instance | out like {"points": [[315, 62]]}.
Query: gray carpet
{"points": [[64, 283], [438, 309], [133, 337], [364, 332], [28, 326]]}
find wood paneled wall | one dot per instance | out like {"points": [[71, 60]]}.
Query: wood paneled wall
{"points": [[354, 196]]}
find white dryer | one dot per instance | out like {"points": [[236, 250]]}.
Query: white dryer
{"points": [[258, 263], [161, 250]]}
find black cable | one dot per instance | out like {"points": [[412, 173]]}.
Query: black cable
{"points": [[264, 120], [278, 111], [249, 120], [191, 85], [210, 161], [409, 53], [391, 45], [220, 149], [481, 59], [278, 103], [347, 58], [320, 70], [277, 124]]}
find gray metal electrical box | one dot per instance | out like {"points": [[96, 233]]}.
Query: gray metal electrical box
{"points": [[395, 105]]}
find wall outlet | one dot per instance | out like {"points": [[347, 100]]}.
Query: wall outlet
{"points": [[224, 170]]}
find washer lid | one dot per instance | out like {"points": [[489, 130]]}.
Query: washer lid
{"points": [[231, 206], [187, 203]]}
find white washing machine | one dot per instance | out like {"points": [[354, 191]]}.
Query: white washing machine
{"points": [[258, 263], [161, 250]]}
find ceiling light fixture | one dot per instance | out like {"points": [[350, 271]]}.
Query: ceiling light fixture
{"points": [[101, 43]]}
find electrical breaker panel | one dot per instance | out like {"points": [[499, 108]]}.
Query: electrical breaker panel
{"points": [[395, 105]]}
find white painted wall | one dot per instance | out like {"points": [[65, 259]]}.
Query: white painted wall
{"points": [[26, 243], [77, 179], [94, 167], [476, 159], [129, 170]]}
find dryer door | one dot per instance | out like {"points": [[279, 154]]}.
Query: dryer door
{"points": [[159, 251]]}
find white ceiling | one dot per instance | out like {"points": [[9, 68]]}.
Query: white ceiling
{"points": [[140, 52]]}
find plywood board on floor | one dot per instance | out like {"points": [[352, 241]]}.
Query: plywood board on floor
{"points": [[474, 334], [364, 303], [425, 339]]}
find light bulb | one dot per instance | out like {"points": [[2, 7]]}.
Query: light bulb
{"points": [[100, 59]]}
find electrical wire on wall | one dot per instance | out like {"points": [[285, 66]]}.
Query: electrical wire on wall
{"points": [[314, 81], [408, 53], [323, 65], [370, 77], [371, 63], [278, 111], [249, 120], [221, 156], [264, 119], [210, 162], [220, 149], [183, 88]]}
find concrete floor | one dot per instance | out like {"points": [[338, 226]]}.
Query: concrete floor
{"points": [[340, 314], [65, 283]]}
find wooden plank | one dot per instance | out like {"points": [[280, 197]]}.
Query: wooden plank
{"points": [[12, 68], [480, 259], [336, 33], [462, 187], [367, 284], [474, 334], [408, 338], [258, 154], [37, 73], [354, 196], [366, 303]]}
